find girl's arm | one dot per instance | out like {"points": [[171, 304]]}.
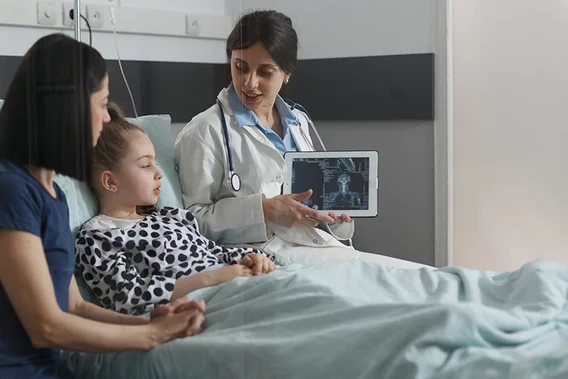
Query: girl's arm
{"points": [[233, 255], [26, 279], [118, 285], [210, 278], [78, 306]]}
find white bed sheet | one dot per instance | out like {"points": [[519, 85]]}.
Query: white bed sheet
{"points": [[317, 256]]}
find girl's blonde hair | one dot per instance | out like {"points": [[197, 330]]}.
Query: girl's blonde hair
{"points": [[113, 144]]}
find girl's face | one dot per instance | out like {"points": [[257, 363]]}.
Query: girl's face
{"points": [[137, 176], [256, 77], [99, 112]]}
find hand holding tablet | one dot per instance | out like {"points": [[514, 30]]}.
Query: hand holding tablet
{"points": [[343, 182]]}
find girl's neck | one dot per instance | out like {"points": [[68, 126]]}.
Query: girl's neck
{"points": [[118, 211]]}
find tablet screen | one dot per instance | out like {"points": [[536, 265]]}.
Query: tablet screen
{"points": [[338, 183]]}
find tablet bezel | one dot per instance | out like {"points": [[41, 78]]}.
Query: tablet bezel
{"points": [[373, 156]]}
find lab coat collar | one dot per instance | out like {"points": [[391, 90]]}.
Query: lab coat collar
{"points": [[297, 134], [246, 117]]}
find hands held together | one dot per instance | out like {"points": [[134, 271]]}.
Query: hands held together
{"points": [[178, 319]]}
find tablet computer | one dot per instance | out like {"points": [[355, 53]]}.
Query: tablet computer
{"points": [[341, 181]]}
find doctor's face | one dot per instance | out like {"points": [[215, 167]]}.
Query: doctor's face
{"points": [[256, 77]]}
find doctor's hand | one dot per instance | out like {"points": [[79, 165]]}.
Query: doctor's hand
{"points": [[287, 210], [258, 263], [340, 219]]}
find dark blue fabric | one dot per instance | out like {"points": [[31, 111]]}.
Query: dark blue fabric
{"points": [[26, 205]]}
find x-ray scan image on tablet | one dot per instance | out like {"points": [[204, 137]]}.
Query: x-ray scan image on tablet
{"points": [[341, 181]]}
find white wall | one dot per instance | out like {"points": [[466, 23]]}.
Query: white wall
{"points": [[510, 60], [198, 6], [353, 28], [14, 41]]}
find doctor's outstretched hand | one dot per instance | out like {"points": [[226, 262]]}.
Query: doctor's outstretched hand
{"points": [[287, 210]]}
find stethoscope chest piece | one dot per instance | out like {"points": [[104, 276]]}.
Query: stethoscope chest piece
{"points": [[235, 181]]}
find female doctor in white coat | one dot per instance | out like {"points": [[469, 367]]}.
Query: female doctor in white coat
{"points": [[261, 127]]}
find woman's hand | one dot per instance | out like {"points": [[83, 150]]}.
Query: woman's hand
{"points": [[170, 326], [287, 210], [340, 219], [258, 263], [179, 305]]}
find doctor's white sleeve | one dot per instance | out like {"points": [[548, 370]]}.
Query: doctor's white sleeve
{"points": [[222, 217]]}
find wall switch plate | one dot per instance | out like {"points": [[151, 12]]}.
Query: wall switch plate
{"points": [[192, 26], [96, 15], [47, 12]]}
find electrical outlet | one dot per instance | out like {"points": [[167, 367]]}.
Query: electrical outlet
{"points": [[192, 26], [47, 12], [67, 7], [96, 15]]}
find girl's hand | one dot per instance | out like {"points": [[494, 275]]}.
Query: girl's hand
{"points": [[258, 263], [226, 274]]}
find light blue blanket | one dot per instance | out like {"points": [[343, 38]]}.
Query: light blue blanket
{"points": [[363, 320]]}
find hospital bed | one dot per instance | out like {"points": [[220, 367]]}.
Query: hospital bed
{"points": [[339, 313]]}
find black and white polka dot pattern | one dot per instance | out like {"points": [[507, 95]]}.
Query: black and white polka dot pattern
{"points": [[133, 269]]}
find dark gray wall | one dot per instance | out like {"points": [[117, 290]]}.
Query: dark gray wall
{"points": [[404, 227]]}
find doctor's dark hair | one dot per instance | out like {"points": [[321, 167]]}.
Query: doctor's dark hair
{"points": [[271, 28], [46, 118], [112, 147]]}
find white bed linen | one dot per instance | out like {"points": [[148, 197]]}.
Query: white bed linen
{"points": [[316, 256]]}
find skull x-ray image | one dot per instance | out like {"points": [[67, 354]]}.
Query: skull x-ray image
{"points": [[338, 183]]}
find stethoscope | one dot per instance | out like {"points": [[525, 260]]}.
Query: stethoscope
{"points": [[234, 179]]}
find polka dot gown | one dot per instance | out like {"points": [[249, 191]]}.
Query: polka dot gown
{"points": [[133, 269]]}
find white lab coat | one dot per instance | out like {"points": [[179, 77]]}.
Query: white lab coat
{"points": [[236, 218]]}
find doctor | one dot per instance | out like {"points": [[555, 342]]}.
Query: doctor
{"points": [[230, 157]]}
